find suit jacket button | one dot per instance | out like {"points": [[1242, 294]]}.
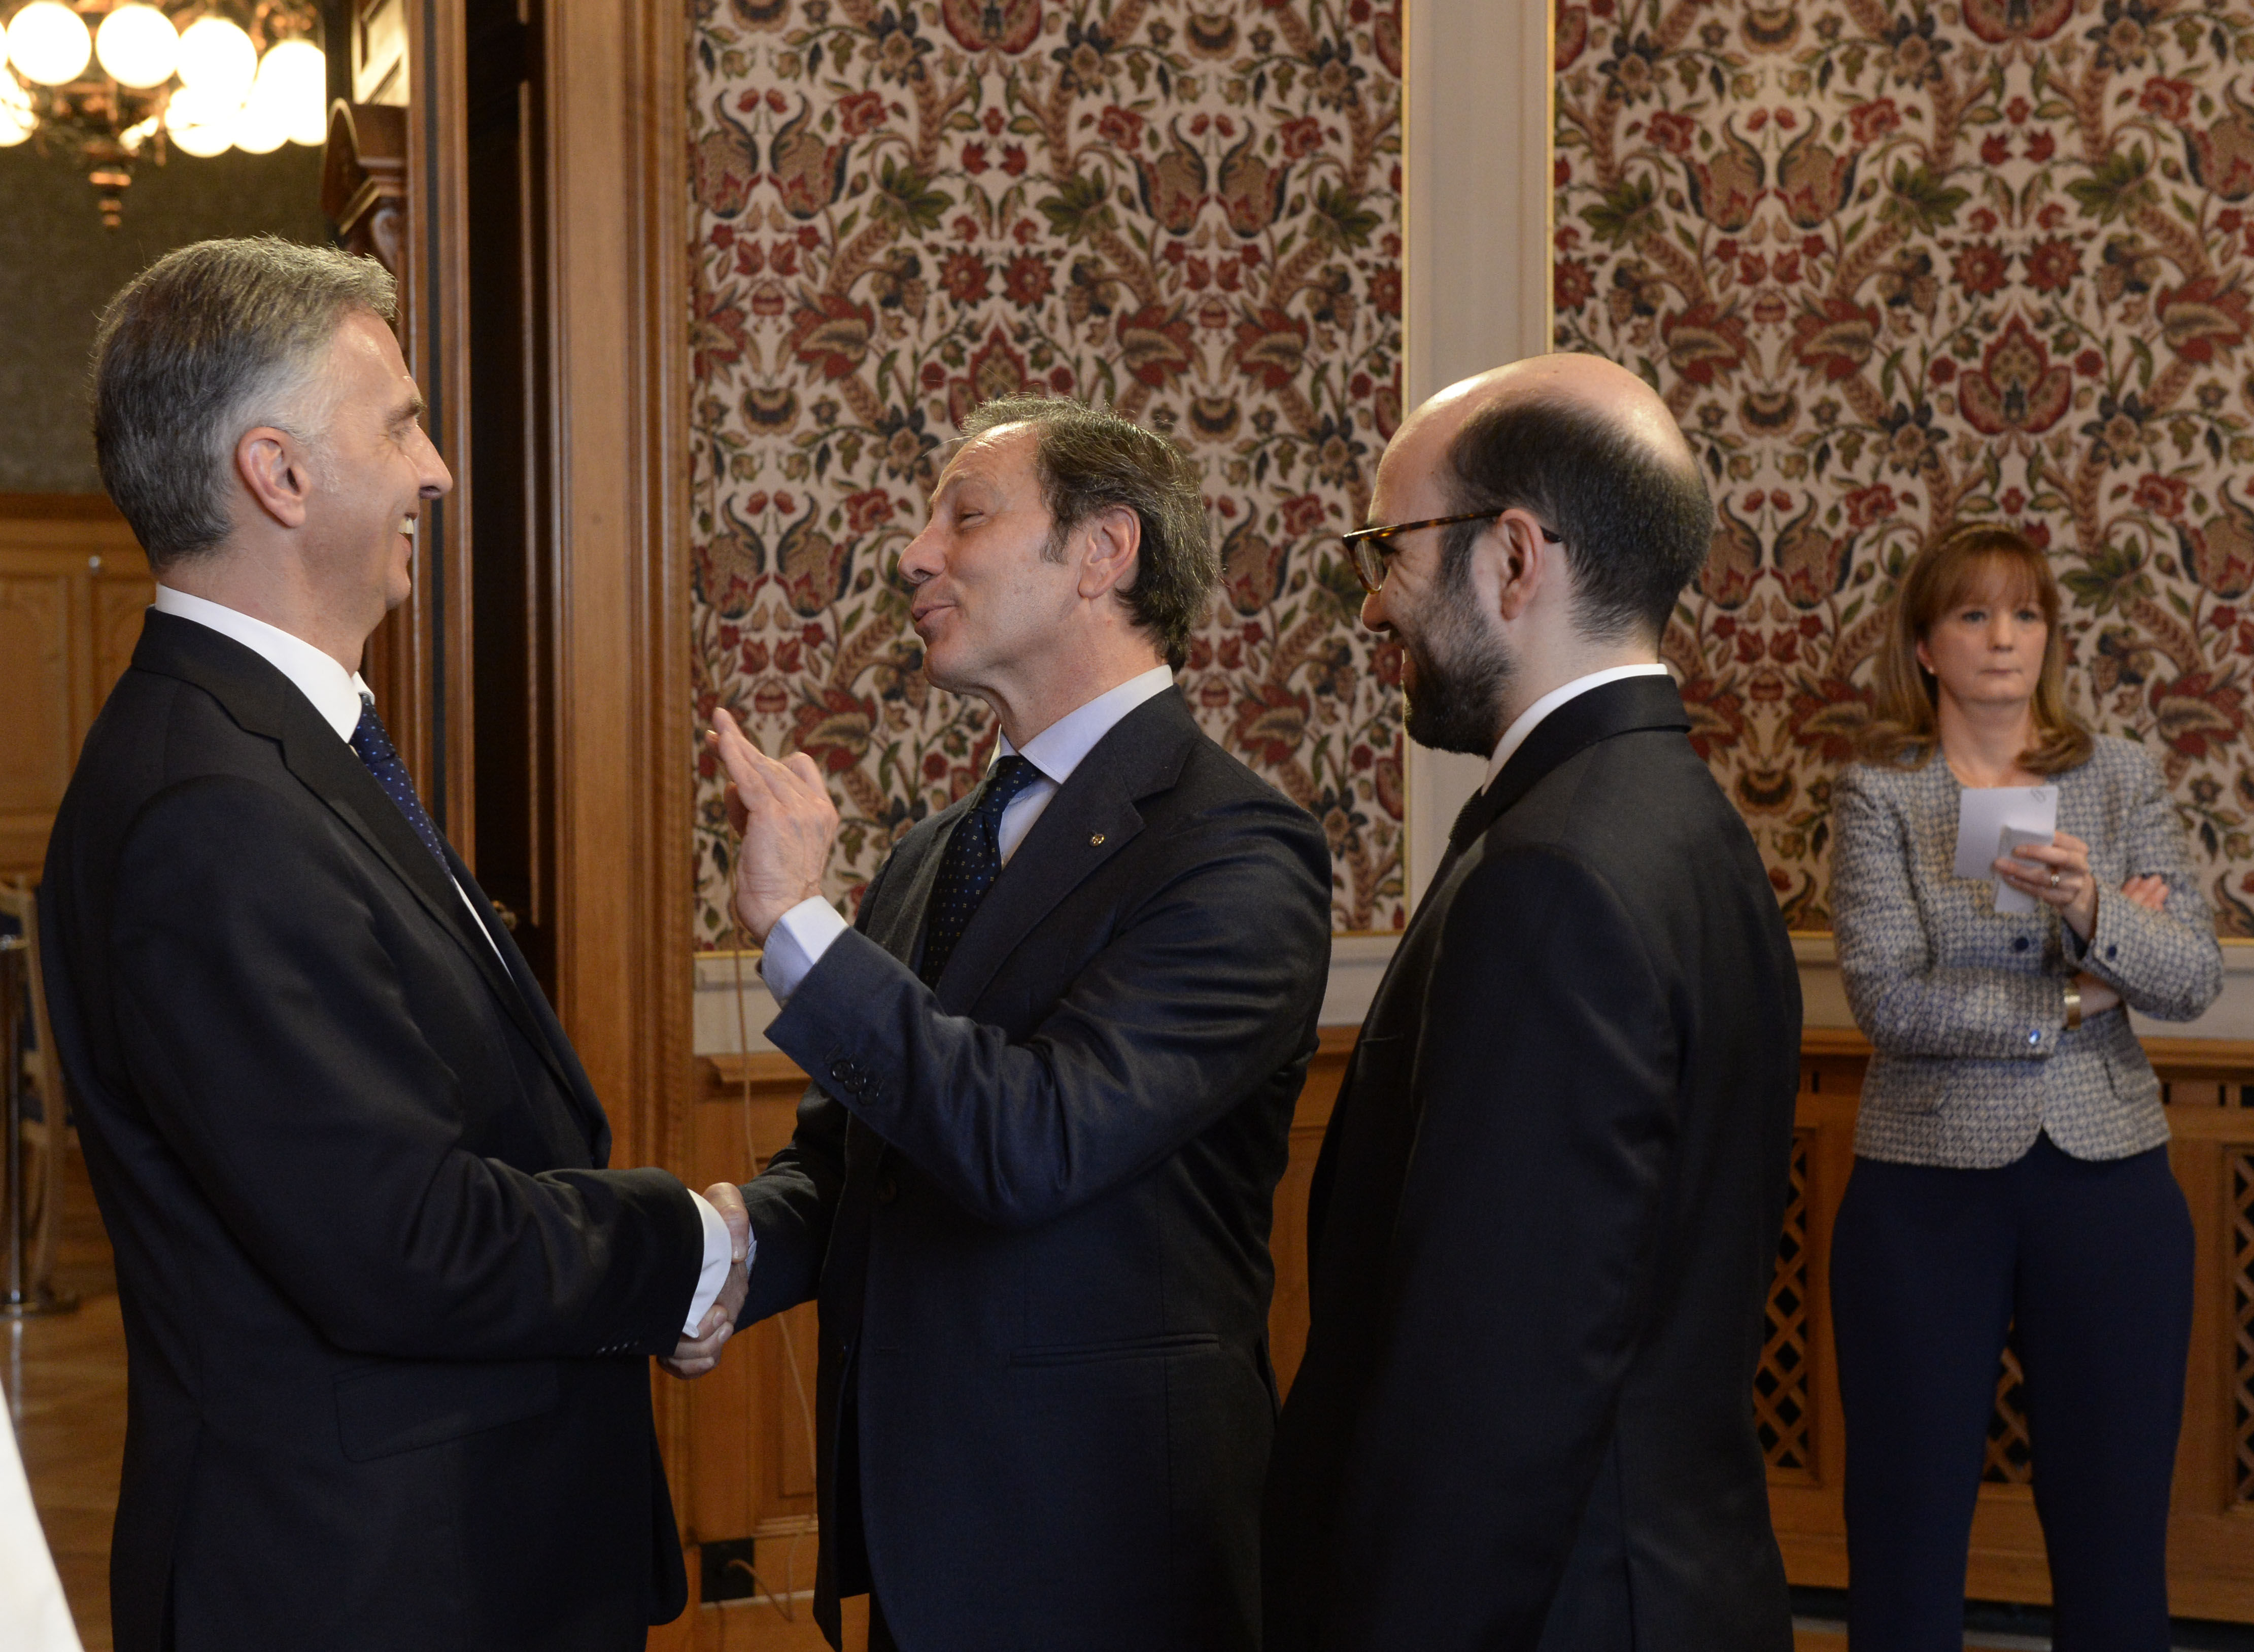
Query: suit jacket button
{"points": [[2020, 944], [887, 1190], [841, 1070], [2113, 952]]}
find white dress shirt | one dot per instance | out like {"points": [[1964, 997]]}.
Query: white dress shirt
{"points": [[1514, 736], [338, 695], [804, 933]]}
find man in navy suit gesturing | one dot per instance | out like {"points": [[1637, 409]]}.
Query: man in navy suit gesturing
{"points": [[1055, 1063]]}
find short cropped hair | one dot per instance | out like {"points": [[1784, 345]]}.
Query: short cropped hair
{"points": [[208, 342], [1637, 525], [1089, 460]]}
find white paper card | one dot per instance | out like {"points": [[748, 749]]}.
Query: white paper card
{"points": [[1983, 814], [2018, 902]]}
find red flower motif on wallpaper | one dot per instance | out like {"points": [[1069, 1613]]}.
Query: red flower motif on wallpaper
{"points": [[1999, 21], [2018, 387], [1981, 268], [2198, 713], [2053, 265], [992, 25], [1271, 723], [2222, 158], [2220, 550], [1813, 182], [831, 332], [1704, 343], [2202, 317], [1726, 190], [1835, 337], [1271, 346], [1154, 345]]}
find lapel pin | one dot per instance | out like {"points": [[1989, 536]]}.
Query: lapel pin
{"points": [[1096, 840]]}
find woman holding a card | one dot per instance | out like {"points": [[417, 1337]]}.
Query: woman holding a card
{"points": [[2004, 883]]}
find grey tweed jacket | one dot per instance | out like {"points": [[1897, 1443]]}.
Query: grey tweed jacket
{"points": [[1966, 1005]]}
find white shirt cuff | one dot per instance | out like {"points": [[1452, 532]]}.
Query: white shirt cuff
{"points": [[719, 1252], [796, 944]]}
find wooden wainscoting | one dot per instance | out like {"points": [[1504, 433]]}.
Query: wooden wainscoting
{"points": [[72, 584], [2210, 1088], [751, 1458], [749, 1469]]}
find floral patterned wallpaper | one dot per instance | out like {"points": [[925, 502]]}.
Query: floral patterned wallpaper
{"points": [[1185, 208], [1898, 264]]}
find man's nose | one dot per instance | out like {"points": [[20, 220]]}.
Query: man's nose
{"points": [[920, 560], [436, 478], [1373, 612]]}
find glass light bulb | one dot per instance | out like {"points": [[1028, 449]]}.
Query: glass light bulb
{"points": [[200, 122], [201, 141], [138, 44], [263, 126], [48, 43], [296, 75], [217, 56]]}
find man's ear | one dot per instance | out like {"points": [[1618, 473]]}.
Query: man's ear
{"points": [[276, 471], [1528, 560], [1110, 551]]}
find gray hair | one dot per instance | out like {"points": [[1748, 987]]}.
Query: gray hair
{"points": [[1090, 461], [208, 342]]}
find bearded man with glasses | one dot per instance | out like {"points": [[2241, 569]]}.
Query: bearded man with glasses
{"points": [[1544, 1222]]}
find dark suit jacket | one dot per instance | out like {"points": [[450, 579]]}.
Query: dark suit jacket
{"points": [[385, 1312], [1035, 1205], [1543, 1230]]}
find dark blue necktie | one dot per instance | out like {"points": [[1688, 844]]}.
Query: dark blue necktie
{"points": [[373, 747], [971, 863]]}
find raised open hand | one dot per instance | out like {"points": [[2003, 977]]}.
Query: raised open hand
{"points": [[785, 821]]}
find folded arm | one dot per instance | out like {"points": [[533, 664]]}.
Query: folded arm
{"points": [[1905, 1004]]}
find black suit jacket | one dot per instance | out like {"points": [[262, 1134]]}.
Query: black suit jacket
{"points": [[385, 1312], [1543, 1230], [1035, 1205]]}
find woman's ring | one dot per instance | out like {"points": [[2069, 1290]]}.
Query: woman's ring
{"points": [[2054, 877]]}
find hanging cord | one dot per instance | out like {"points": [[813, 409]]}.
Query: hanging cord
{"points": [[787, 1606]]}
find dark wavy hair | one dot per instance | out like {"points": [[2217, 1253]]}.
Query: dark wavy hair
{"points": [[1089, 459], [1905, 727]]}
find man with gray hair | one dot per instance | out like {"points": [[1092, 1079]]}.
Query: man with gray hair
{"points": [[385, 1309], [1054, 1065]]}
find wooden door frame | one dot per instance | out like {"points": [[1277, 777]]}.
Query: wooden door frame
{"points": [[615, 337], [616, 136]]}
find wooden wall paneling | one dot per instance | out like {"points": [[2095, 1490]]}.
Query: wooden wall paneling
{"points": [[72, 587], [2211, 1521], [614, 125]]}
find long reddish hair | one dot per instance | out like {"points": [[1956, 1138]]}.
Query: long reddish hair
{"points": [[1905, 728]]}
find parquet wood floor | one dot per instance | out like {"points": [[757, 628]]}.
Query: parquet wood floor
{"points": [[66, 1389]]}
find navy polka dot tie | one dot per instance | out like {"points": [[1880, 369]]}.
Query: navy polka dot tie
{"points": [[971, 863], [373, 745]]}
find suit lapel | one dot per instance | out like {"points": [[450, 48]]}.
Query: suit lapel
{"points": [[1618, 707], [1092, 817], [264, 702]]}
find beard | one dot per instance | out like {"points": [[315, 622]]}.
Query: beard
{"points": [[1453, 677]]}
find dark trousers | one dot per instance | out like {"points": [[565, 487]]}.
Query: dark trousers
{"points": [[1930, 1268]]}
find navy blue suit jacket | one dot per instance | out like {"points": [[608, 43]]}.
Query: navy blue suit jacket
{"points": [[1034, 1203]]}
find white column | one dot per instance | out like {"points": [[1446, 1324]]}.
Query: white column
{"points": [[1475, 260]]}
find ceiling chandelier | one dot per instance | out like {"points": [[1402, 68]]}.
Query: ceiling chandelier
{"points": [[117, 84]]}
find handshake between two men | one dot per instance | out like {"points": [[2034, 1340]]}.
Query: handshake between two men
{"points": [[386, 1301]]}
